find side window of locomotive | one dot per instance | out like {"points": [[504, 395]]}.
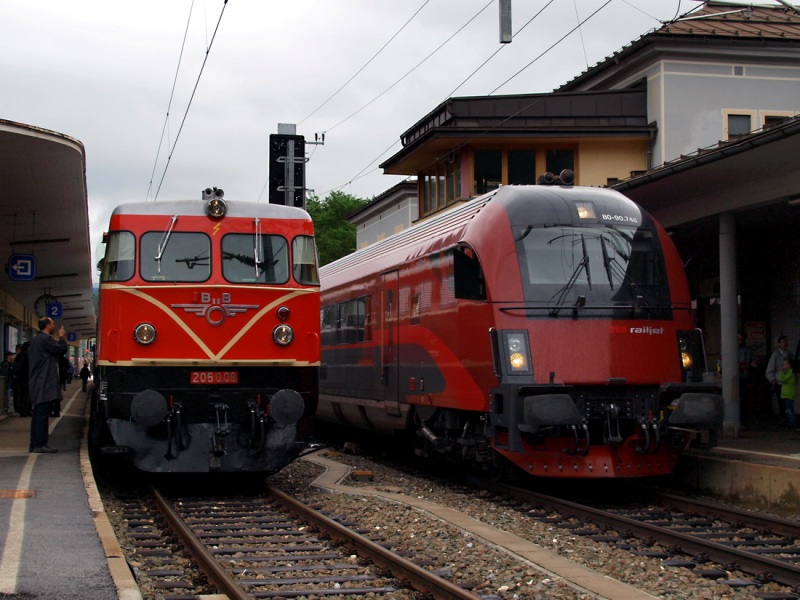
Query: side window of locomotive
{"points": [[304, 260], [120, 259], [175, 256], [468, 276], [248, 258]]}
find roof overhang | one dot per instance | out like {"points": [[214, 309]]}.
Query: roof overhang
{"points": [[44, 213], [755, 171]]}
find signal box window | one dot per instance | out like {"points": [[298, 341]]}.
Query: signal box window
{"points": [[522, 167], [558, 160], [120, 259], [488, 170], [175, 256], [304, 260], [248, 258]]}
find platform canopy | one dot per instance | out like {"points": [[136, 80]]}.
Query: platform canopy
{"points": [[44, 228]]}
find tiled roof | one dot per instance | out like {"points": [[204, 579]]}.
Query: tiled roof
{"points": [[735, 20], [720, 20]]}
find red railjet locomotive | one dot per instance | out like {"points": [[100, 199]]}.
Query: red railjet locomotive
{"points": [[544, 326], [207, 353]]}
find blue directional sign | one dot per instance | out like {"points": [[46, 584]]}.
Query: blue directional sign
{"points": [[72, 336], [55, 310], [22, 267]]}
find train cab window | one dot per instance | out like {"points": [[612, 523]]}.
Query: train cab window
{"points": [[120, 259], [175, 256], [249, 258], [605, 268], [304, 260]]}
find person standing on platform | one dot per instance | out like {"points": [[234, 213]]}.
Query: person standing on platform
{"points": [[788, 379], [5, 371], [19, 370], [774, 368], [85, 374], [43, 380], [746, 365]]}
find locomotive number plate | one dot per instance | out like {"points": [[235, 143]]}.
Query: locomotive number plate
{"points": [[214, 377]]}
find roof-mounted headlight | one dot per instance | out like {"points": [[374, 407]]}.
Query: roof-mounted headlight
{"points": [[215, 205]]}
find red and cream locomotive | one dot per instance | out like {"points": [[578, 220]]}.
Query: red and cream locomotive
{"points": [[549, 327], [208, 335]]}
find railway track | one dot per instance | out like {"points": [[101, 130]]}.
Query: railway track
{"points": [[713, 540], [269, 546]]}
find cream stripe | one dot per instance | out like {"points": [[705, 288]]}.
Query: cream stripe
{"points": [[209, 353]]}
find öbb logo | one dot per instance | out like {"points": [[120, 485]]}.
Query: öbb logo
{"points": [[215, 310]]}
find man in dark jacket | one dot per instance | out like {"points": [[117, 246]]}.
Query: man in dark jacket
{"points": [[43, 380]]}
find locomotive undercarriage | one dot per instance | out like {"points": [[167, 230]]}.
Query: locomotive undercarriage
{"points": [[202, 428], [600, 432]]}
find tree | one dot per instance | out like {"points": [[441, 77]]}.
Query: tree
{"points": [[336, 236]]}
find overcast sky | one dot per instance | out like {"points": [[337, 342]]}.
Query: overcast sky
{"points": [[102, 71]]}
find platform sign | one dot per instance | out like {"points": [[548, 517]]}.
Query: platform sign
{"points": [[22, 267], [55, 310], [72, 336]]}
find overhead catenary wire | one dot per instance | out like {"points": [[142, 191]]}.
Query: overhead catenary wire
{"points": [[169, 104], [191, 98], [553, 45], [363, 172], [366, 64], [414, 68]]}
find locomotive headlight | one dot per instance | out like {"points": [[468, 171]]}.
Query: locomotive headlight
{"points": [[216, 207], [283, 335], [517, 361], [144, 333], [692, 354], [518, 355]]}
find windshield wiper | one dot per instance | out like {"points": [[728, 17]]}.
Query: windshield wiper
{"points": [[639, 301], [257, 246], [164, 241], [581, 301], [606, 261]]}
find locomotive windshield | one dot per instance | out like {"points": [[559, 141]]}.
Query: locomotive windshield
{"points": [[248, 258], [606, 270], [178, 257]]}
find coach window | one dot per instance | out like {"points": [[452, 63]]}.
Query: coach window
{"points": [[120, 259], [248, 258], [304, 260], [352, 320], [327, 324], [175, 256]]}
